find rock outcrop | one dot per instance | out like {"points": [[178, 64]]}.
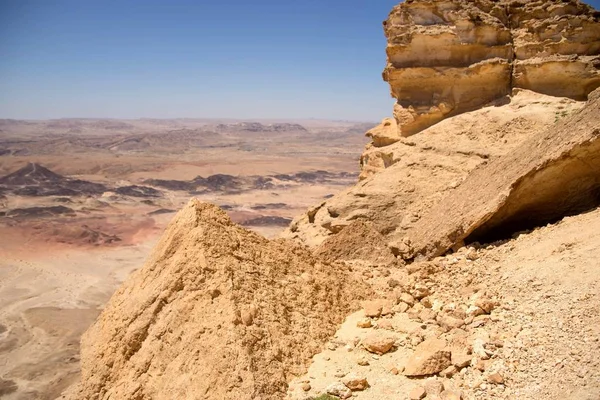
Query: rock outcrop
{"points": [[448, 57], [554, 174], [422, 169], [218, 312]]}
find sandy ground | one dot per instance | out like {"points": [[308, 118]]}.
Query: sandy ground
{"points": [[49, 299]]}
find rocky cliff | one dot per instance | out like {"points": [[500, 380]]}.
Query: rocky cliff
{"points": [[514, 68], [448, 57]]}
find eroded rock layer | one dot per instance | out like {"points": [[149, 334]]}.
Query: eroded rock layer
{"points": [[555, 173], [402, 181], [448, 57], [218, 312]]}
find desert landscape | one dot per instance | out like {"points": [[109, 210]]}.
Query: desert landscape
{"points": [[73, 228], [449, 252]]}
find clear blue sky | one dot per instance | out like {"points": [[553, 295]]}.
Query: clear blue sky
{"points": [[203, 58]]}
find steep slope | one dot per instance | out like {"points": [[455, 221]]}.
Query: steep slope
{"points": [[553, 174], [218, 312], [537, 340]]}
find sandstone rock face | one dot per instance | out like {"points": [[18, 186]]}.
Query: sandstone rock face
{"points": [[555, 173], [447, 57], [417, 172], [217, 312]]}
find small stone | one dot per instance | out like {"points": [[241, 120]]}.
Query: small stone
{"points": [[474, 311], [363, 361], [394, 371], [448, 322], [429, 358], [472, 254], [331, 346], [372, 308], [420, 291], [385, 324], [450, 395], [427, 315], [378, 342], [433, 387], [339, 374], [495, 378], [407, 298], [364, 323], [417, 393], [426, 302], [355, 382], [449, 372], [339, 389], [481, 365], [401, 308], [461, 360], [393, 283], [480, 351], [306, 387], [486, 304]]}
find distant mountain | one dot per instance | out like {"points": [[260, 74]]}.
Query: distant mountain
{"points": [[258, 127], [37, 180], [31, 174]]}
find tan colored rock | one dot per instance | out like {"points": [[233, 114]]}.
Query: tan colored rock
{"points": [[429, 358], [372, 308], [487, 305], [377, 308], [449, 372], [364, 323], [451, 395], [396, 199], [378, 342], [355, 382], [407, 298], [384, 134], [448, 322], [551, 175], [417, 393], [214, 297], [433, 387], [445, 58], [495, 378], [306, 387], [461, 360]]}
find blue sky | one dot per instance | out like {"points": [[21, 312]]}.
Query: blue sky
{"points": [[203, 58]]}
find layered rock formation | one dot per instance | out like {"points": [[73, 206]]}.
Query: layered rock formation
{"points": [[422, 169], [448, 57], [218, 312], [553, 174]]}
